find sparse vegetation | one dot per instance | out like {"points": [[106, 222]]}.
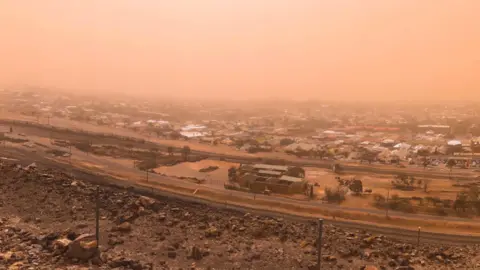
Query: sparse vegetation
{"points": [[334, 195], [170, 151], [186, 152], [83, 146], [450, 164], [208, 169], [286, 141], [296, 172], [232, 173], [403, 182]]}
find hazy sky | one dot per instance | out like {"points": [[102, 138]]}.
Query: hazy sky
{"points": [[249, 48]]}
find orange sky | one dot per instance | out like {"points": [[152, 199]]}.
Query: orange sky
{"points": [[251, 48]]}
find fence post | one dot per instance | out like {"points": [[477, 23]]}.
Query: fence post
{"points": [[319, 244], [386, 203], [418, 236], [97, 216]]}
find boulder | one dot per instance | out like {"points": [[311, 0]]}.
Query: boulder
{"points": [[145, 201], [212, 232], [194, 253], [83, 247], [61, 244], [124, 227], [329, 258], [172, 254]]}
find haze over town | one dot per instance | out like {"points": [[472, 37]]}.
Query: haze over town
{"points": [[218, 134], [343, 50]]}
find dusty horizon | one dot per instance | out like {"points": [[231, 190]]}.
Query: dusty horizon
{"points": [[376, 50]]}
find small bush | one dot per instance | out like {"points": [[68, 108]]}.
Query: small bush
{"points": [[334, 195], [147, 164]]}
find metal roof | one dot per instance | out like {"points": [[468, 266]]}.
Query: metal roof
{"points": [[270, 172], [271, 167], [291, 178]]}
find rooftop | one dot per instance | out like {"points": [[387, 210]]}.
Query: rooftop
{"points": [[291, 178], [276, 173], [270, 167]]}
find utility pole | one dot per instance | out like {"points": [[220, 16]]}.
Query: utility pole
{"points": [[97, 216], [319, 244], [418, 237], [147, 174], [386, 204]]}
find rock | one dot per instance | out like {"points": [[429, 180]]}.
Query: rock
{"points": [[61, 244], [212, 232], [115, 241], [124, 227], [6, 256], [329, 258], [124, 263], [82, 248], [369, 240], [119, 262], [345, 253], [172, 254], [145, 201], [17, 266], [369, 267], [141, 211], [162, 217], [194, 253], [32, 166]]}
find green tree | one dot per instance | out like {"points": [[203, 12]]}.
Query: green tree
{"points": [[296, 172], [426, 162], [232, 173], [286, 141], [170, 151], [129, 146], [450, 164], [154, 151], [426, 184], [186, 152], [356, 186], [461, 201]]}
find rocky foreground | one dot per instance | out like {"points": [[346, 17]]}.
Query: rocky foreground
{"points": [[47, 221]]}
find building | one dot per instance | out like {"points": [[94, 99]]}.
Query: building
{"points": [[442, 129], [274, 178]]}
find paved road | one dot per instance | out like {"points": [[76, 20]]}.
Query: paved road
{"points": [[216, 153]]}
